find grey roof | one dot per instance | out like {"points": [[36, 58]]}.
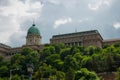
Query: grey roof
{"points": [[78, 33], [4, 46]]}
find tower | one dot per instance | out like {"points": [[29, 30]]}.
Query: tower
{"points": [[33, 36]]}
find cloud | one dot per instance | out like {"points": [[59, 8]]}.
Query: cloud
{"points": [[54, 16], [20, 9], [83, 20], [62, 21], [96, 5], [13, 14], [116, 25]]}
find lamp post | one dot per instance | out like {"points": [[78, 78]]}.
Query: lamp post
{"points": [[11, 73], [30, 70]]}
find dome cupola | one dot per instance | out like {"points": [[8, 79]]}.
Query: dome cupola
{"points": [[33, 36], [33, 30]]}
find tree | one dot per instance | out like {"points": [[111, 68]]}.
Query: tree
{"points": [[87, 62], [4, 71], [47, 51], [18, 61], [118, 74], [70, 62], [98, 62], [55, 61], [109, 61], [78, 58], [90, 50], [116, 58], [58, 47], [84, 74], [60, 75], [64, 53], [58, 64], [44, 71], [4, 68], [70, 74], [4, 78], [52, 58], [81, 49], [74, 50], [1, 60], [26, 51], [16, 77], [33, 58]]}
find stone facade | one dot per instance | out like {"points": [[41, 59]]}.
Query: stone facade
{"points": [[32, 39], [13, 51], [111, 41], [4, 49], [85, 38]]}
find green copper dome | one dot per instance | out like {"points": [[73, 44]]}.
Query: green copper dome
{"points": [[33, 30]]}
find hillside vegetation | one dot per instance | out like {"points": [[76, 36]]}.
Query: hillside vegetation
{"points": [[62, 63]]}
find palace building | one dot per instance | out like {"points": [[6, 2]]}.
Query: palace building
{"points": [[33, 40], [85, 38]]}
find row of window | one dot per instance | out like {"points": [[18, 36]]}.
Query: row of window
{"points": [[73, 44]]}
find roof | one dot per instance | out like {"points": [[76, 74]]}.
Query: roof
{"points": [[4, 46], [33, 30], [111, 40], [78, 33]]}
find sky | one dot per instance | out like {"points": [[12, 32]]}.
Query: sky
{"points": [[53, 17]]}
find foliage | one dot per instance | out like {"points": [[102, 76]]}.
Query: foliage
{"points": [[70, 74], [70, 62], [84, 74], [61, 62], [118, 74], [16, 77]]}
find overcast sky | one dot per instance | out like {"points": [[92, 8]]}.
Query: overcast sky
{"points": [[54, 17]]}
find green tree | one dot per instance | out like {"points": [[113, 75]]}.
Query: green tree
{"points": [[18, 61], [60, 75], [32, 58], [81, 49], [109, 61], [90, 50], [118, 74], [74, 50], [4, 71], [70, 62], [16, 77], [26, 51], [44, 71], [58, 47], [55, 61], [47, 51], [4, 78], [70, 74], [78, 58], [64, 53], [1, 59], [87, 62], [52, 58], [84, 74]]}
